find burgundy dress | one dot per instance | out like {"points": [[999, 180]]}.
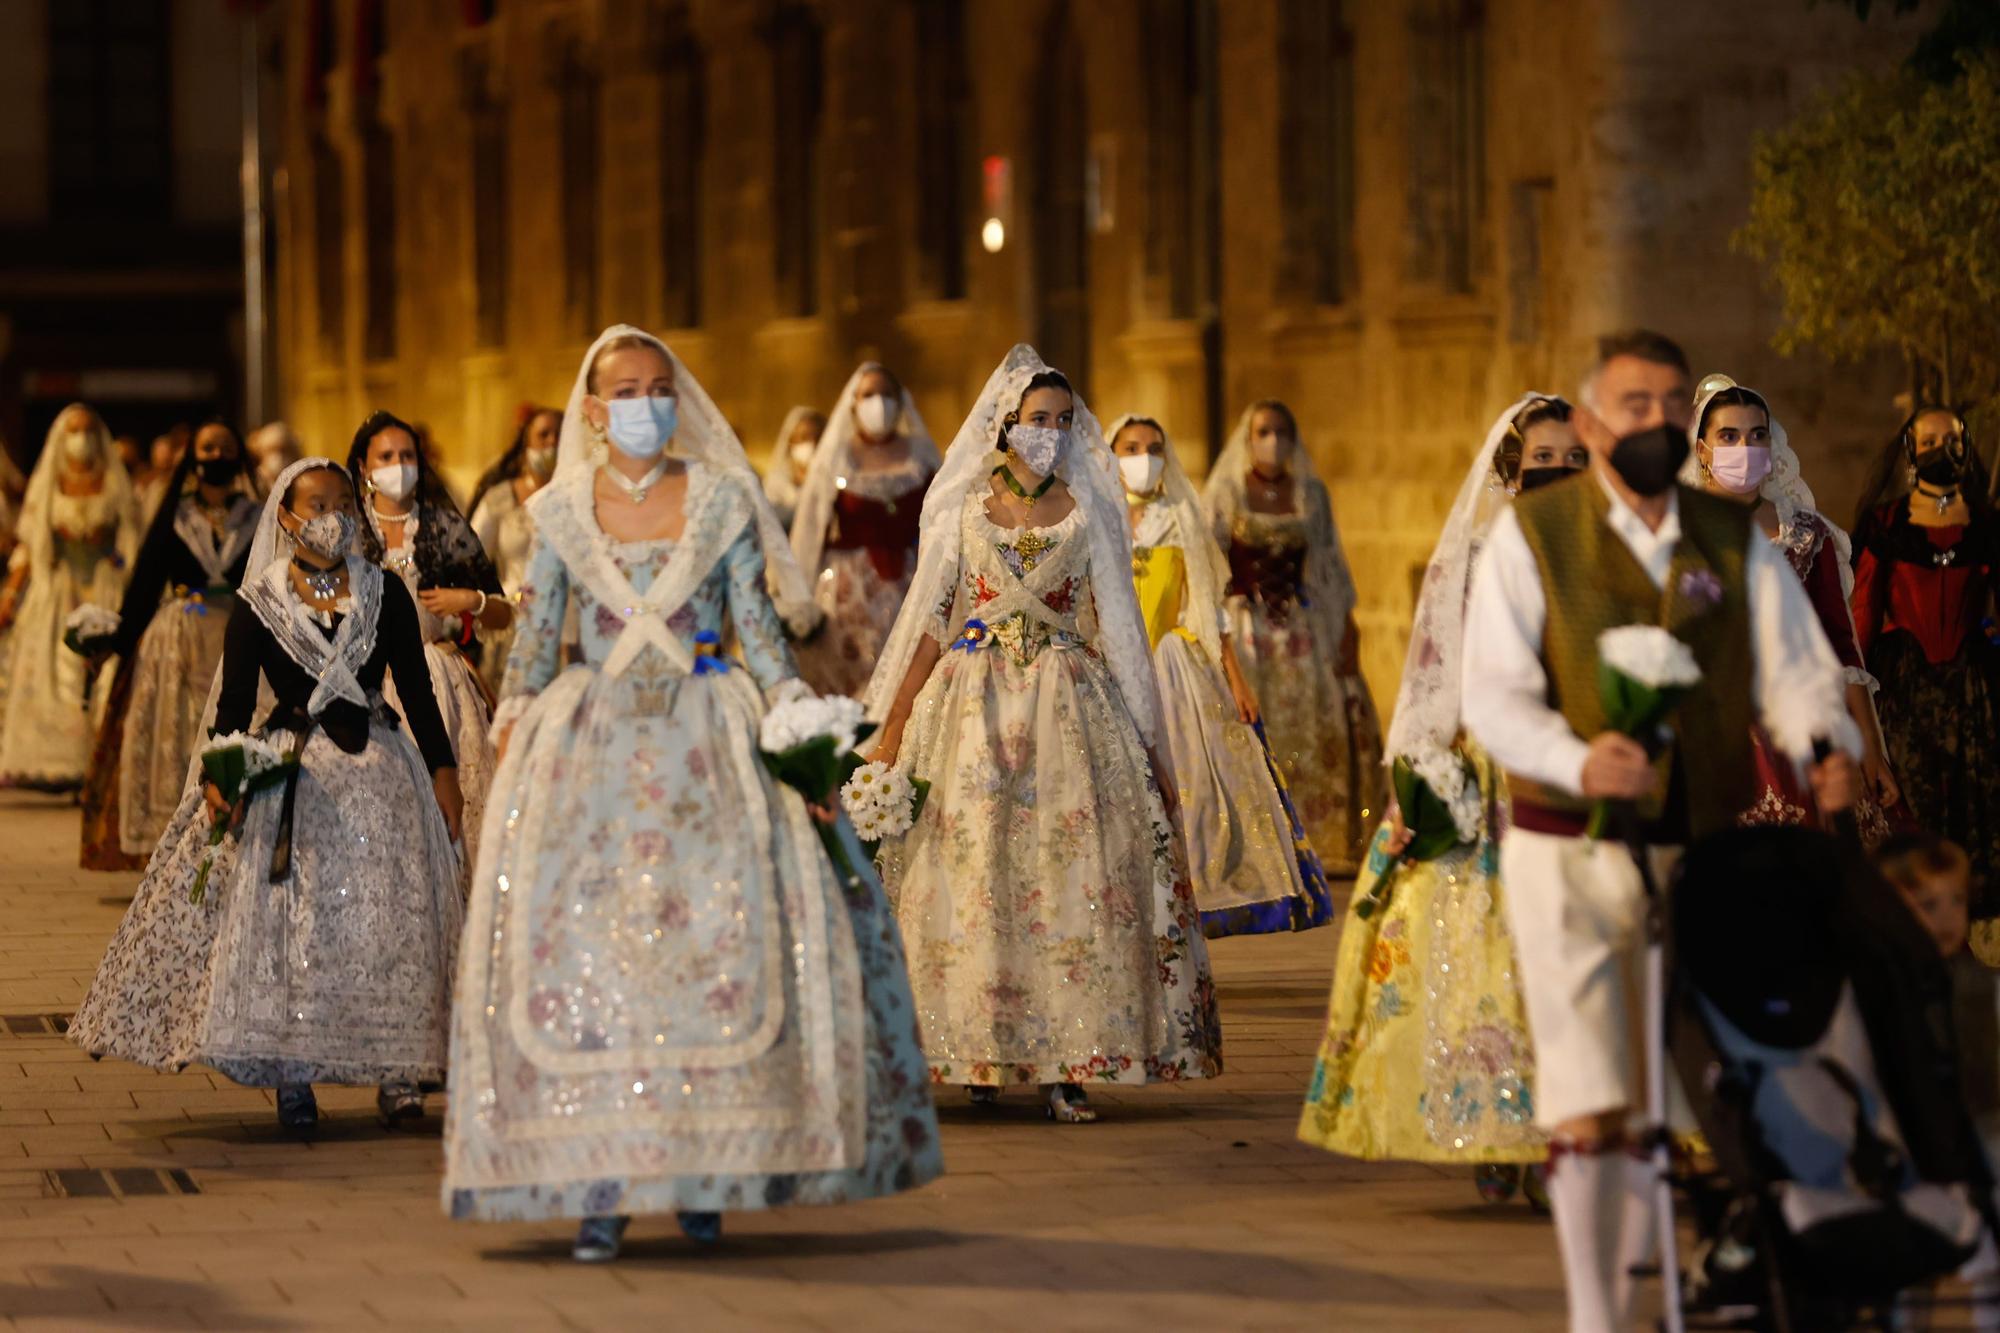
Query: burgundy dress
{"points": [[1782, 797], [1920, 597], [869, 560]]}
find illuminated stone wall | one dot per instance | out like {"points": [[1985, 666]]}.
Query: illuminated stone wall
{"points": [[1523, 174]]}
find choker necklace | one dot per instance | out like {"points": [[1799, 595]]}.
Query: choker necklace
{"points": [[324, 583], [1944, 500], [635, 491], [1021, 492], [381, 517]]}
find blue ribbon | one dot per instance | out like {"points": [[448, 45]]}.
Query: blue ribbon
{"points": [[706, 664], [972, 638]]}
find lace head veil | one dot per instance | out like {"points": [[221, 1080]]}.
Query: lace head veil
{"points": [[779, 488], [1089, 471], [703, 435], [1329, 584], [36, 528], [833, 460], [1207, 570], [1426, 716], [1786, 487]]}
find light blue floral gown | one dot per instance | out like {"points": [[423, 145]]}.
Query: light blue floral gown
{"points": [[667, 1002]]}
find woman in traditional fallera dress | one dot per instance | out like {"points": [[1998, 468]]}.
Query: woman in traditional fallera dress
{"points": [[1291, 610], [412, 528], [78, 532], [1929, 543], [791, 455], [320, 948], [1741, 450], [1053, 933], [170, 630], [855, 533], [500, 520], [1427, 1054], [672, 1005], [1254, 870]]}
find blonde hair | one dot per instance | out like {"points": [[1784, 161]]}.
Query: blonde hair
{"points": [[624, 342]]}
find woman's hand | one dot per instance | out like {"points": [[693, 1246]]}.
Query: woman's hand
{"points": [[219, 809], [1879, 778], [448, 601], [825, 814], [1247, 711], [1400, 836], [888, 745], [451, 801]]}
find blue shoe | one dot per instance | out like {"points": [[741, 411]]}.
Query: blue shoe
{"points": [[597, 1240], [701, 1228]]}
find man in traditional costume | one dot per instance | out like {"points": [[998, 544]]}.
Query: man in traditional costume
{"points": [[1626, 546]]}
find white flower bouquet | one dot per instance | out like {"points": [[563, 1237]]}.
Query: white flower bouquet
{"points": [[883, 802], [1643, 673], [808, 744], [240, 765], [1439, 797], [89, 629]]}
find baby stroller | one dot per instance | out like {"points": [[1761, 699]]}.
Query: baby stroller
{"points": [[1809, 1017]]}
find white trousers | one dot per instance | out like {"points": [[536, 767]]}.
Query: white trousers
{"points": [[1578, 912]]}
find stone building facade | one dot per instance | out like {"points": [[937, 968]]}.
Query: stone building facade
{"points": [[1396, 215]]}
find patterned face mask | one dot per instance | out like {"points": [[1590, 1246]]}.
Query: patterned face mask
{"points": [[329, 536], [1039, 448]]}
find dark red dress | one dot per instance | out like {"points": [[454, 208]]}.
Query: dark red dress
{"points": [[1921, 596]]}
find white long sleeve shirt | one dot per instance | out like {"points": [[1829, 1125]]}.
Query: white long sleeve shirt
{"points": [[1797, 685]]}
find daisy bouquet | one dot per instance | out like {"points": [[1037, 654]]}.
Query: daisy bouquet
{"points": [[240, 765], [883, 802], [1643, 673]]}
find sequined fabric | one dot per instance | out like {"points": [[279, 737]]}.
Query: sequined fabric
{"points": [[1321, 722], [176, 660], [671, 1004], [1052, 929], [1426, 1055]]}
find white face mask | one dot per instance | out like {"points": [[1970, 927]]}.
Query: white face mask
{"points": [[1269, 452], [877, 415], [641, 427], [1039, 448], [1142, 472], [541, 462], [398, 481], [802, 454], [79, 446]]}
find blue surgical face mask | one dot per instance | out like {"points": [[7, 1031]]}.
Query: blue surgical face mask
{"points": [[641, 427]]}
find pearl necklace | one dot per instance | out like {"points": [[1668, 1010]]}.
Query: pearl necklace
{"points": [[636, 491]]}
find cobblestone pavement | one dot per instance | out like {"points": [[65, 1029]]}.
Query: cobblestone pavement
{"points": [[1187, 1207]]}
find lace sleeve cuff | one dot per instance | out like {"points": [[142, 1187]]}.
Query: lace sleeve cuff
{"points": [[1857, 676]]}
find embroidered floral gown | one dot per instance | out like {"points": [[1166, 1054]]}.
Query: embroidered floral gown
{"points": [[340, 970], [170, 634], [1053, 933], [1427, 1055], [503, 527], [1321, 723], [46, 737], [672, 1004], [871, 556], [1253, 868]]}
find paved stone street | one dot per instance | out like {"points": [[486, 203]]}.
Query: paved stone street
{"points": [[1185, 1208]]}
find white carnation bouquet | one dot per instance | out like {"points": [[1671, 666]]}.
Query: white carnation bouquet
{"points": [[89, 628], [1438, 794], [240, 765], [809, 745], [883, 802], [1643, 673]]}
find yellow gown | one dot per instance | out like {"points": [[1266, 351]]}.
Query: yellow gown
{"points": [[1427, 1056]]}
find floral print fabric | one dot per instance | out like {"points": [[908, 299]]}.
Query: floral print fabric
{"points": [[1053, 932], [1427, 1055]]}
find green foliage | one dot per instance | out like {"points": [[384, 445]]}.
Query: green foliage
{"points": [[1962, 28], [1877, 212]]}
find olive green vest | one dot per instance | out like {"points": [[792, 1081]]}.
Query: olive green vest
{"points": [[1592, 582]]}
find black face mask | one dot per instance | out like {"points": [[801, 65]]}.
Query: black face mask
{"points": [[1534, 478], [218, 471], [1939, 468], [1649, 461]]}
